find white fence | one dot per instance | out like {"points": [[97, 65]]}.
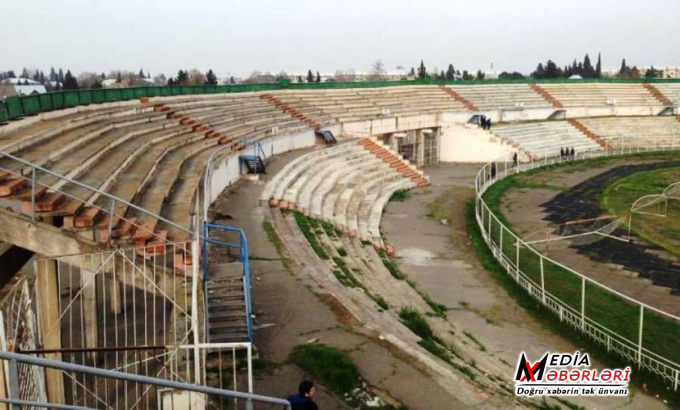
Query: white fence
{"points": [[636, 331]]}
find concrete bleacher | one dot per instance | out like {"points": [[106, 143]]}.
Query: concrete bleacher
{"points": [[501, 96], [670, 91], [540, 139], [600, 94], [139, 155], [347, 185], [632, 132]]}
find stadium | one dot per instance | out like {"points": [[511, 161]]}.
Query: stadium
{"points": [[141, 226]]}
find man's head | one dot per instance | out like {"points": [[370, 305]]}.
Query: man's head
{"points": [[306, 388]]}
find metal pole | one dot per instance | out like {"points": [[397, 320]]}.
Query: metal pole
{"points": [[583, 303], [13, 382], [33, 194], [542, 280], [249, 403], [195, 250], [642, 314]]}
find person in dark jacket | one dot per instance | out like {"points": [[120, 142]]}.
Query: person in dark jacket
{"points": [[303, 400], [488, 124], [561, 152], [573, 153]]}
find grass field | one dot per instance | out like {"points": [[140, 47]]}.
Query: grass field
{"points": [[660, 334], [658, 230]]}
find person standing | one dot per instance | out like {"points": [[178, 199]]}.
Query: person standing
{"points": [[573, 153], [303, 400], [514, 159], [561, 153]]}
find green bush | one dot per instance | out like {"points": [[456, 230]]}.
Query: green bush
{"points": [[332, 367]]}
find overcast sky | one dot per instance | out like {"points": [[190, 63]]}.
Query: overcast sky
{"points": [[236, 37]]}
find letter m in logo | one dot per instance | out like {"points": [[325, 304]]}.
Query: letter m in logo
{"points": [[526, 371]]}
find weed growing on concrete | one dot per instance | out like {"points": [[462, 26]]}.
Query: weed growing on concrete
{"points": [[305, 225], [477, 342], [400, 195]]}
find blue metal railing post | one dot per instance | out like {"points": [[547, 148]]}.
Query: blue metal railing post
{"points": [[244, 258]]}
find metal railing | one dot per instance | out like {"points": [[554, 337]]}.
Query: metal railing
{"points": [[175, 397], [576, 299], [244, 258], [114, 201]]}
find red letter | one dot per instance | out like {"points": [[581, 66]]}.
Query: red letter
{"points": [[627, 371], [552, 375], [563, 375], [607, 374], [586, 375], [617, 375], [595, 379], [574, 376]]}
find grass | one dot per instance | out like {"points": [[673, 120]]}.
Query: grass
{"points": [[477, 342], [615, 313], [661, 231], [415, 321], [306, 225], [328, 228], [400, 195], [609, 310], [438, 309], [391, 266], [341, 251], [329, 365], [276, 241]]}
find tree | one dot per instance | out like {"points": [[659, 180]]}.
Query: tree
{"points": [[450, 73], [160, 80], [171, 81], [97, 84], [41, 77], [422, 70], [211, 78], [141, 74], [300, 80], [182, 78], [378, 71], [588, 70], [103, 77], [467, 76], [36, 76], [624, 70], [552, 70], [653, 73], [70, 82], [24, 73], [539, 73], [480, 75], [195, 77], [310, 76], [511, 76], [412, 73], [318, 77], [598, 66], [53, 75], [119, 78], [60, 76], [231, 80]]}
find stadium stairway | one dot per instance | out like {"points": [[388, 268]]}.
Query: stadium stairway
{"points": [[227, 320], [546, 95], [658, 94], [466, 103], [588, 133], [292, 111]]}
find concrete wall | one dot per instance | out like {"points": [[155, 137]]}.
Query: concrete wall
{"points": [[392, 124], [228, 170], [469, 143]]}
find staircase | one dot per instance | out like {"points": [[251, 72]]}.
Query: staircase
{"points": [[588, 133], [395, 161], [254, 163], [467, 103], [292, 111], [546, 95], [658, 94], [226, 306], [327, 137]]}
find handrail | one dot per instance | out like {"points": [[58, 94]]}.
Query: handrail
{"points": [[589, 325], [71, 367], [96, 190]]}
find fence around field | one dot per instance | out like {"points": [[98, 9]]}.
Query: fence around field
{"points": [[638, 332], [19, 106]]}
